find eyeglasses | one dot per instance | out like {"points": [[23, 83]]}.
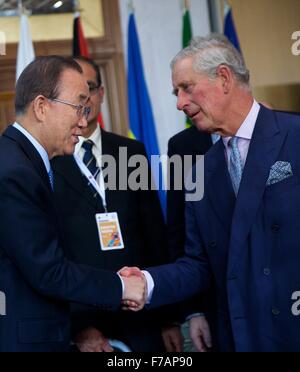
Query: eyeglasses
{"points": [[93, 89], [82, 111]]}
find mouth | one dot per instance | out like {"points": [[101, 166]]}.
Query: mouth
{"points": [[192, 116]]}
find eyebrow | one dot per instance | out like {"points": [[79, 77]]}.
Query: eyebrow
{"points": [[183, 85]]}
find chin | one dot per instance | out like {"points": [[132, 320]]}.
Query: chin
{"points": [[69, 150], [203, 128]]}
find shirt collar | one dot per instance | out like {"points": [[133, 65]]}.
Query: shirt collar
{"points": [[246, 129], [95, 138], [39, 148]]}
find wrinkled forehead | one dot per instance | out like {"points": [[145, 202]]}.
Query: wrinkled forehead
{"points": [[184, 70], [183, 63]]}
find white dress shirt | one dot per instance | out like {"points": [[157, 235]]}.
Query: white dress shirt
{"points": [[244, 133]]}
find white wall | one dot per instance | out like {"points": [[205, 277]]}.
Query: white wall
{"points": [[159, 25]]}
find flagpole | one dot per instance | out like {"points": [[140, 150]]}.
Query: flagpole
{"points": [[76, 9], [25, 48], [186, 4], [20, 7], [130, 6], [22, 10]]}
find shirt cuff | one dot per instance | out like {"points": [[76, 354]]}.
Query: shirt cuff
{"points": [[150, 285], [195, 315]]}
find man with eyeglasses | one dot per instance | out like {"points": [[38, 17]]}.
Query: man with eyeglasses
{"points": [[38, 280], [141, 223]]}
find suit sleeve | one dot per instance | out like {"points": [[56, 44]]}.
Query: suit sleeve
{"points": [[189, 275], [30, 238]]}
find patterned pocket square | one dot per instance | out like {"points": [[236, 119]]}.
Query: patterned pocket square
{"points": [[279, 172]]}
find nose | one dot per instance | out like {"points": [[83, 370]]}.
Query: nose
{"points": [[181, 101], [82, 123]]}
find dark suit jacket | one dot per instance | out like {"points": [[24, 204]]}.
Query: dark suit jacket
{"points": [[143, 233], [190, 142], [34, 274], [247, 247]]}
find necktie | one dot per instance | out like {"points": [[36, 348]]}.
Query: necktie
{"points": [[89, 159], [51, 178], [236, 164]]}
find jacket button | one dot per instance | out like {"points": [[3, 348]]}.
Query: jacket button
{"points": [[212, 244], [275, 227], [275, 312], [267, 271]]}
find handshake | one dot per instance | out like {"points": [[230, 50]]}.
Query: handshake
{"points": [[135, 288]]}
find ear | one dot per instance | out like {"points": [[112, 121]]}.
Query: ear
{"points": [[40, 106], [226, 76]]}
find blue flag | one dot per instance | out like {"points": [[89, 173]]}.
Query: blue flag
{"points": [[229, 27], [142, 126]]}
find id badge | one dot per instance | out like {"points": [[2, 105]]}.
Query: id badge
{"points": [[109, 231]]}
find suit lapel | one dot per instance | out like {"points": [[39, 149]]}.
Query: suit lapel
{"points": [[31, 153], [199, 142], [263, 152], [207, 141], [202, 142], [219, 187]]}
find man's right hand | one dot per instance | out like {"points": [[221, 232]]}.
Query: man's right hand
{"points": [[91, 340], [200, 334], [135, 291]]}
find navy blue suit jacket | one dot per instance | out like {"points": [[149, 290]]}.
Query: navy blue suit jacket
{"points": [[246, 248], [34, 274]]}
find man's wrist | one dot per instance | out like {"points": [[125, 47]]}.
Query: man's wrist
{"points": [[150, 285]]}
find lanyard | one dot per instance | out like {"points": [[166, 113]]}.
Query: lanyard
{"points": [[99, 188]]}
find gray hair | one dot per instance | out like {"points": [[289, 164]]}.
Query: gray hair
{"points": [[212, 51]]}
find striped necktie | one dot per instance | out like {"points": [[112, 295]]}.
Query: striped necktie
{"points": [[236, 164], [89, 158]]}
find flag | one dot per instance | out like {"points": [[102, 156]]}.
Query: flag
{"points": [[25, 49], [80, 48], [229, 27], [142, 125], [187, 35], [187, 28]]}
